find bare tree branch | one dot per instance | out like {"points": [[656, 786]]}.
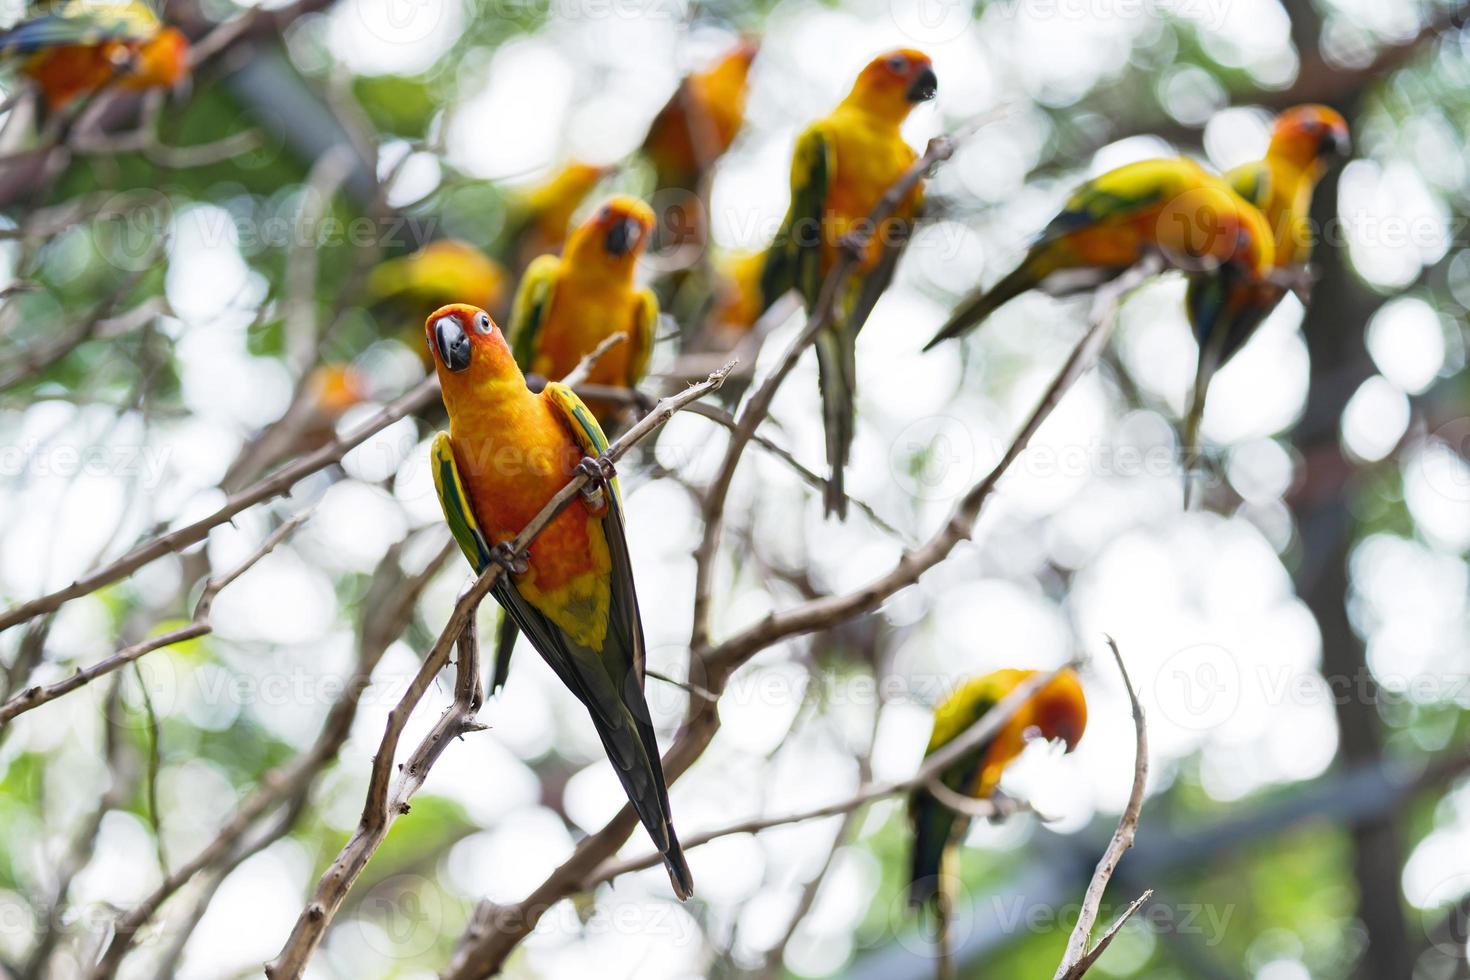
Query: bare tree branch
{"points": [[1079, 957]]}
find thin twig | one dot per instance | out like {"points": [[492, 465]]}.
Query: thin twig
{"points": [[1078, 957], [34, 697]]}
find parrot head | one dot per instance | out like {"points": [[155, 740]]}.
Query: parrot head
{"points": [[161, 62], [468, 349], [615, 233], [1310, 135], [1058, 712], [895, 82]]}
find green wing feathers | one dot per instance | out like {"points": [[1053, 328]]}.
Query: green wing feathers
{"points": [[458, 512], [528, 311], [794, 259]]}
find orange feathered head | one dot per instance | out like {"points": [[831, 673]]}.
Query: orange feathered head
{"points": [[895, 82], [1058, 712], [161, 62], [1309, 133], [468, 347], [618, 231]]}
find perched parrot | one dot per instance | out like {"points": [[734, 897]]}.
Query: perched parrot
{"points": [[508, 451], [1303, 140], [700, 120], [83, 46], [737, 298], [842, 166], [566, 305], [1172, 207], [443, 271], [1057, 711], [540, 215]]}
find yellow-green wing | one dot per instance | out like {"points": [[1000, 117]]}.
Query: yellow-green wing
{"points": [[1252, 181], [80, 22], [645, 326], [532, 303], [583, 426], [459, 514], [794, 260]]}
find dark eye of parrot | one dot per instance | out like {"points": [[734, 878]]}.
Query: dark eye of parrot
{"points": [[482, 323], [898, 64]]}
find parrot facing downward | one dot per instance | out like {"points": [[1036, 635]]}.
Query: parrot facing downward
{"points": [[508, 451], [83, 46], [1303, 139], [566, 305], [1172, 207], [700, 120], [1058, 711], [842, 166]]}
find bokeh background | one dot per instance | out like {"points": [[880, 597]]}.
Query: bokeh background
{"points": [[1301, 641]]}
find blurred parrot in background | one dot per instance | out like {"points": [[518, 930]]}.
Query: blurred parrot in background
{"points": [[508, 451], [1058, 711], [444, 271], [82, 46], [737, 299], [1172, 207], [842, 166], [1303, 141], [700, 120], [691, 132], [541, 215], [566, 305]]}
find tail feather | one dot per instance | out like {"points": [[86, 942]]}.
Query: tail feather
{"points": [[505, 644], [836, 377], [933, 826], [979, 306]]}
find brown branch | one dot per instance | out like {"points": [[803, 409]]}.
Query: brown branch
{"points": [[985, 727], [381, 808], [33, 697], [389, 609], [275, 485], [1079, 957]]}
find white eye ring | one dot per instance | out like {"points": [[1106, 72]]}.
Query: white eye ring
{"points": [[483, 324]]}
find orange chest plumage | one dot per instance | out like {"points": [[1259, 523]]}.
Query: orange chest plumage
{"points": [[868, 158], [514, 455], [586, 310]]}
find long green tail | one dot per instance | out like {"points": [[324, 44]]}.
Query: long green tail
{"points": [[980, 305], [837, 380]]}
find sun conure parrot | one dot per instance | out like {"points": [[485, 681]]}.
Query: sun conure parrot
{"points": [[1303, 140], [700, 120], [1172, 207], [541, 215], [83, 46], [566, 305], [842, 166], [448, 270], [1058, 711], [508, 451]]}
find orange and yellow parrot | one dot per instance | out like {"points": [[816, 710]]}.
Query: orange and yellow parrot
{"points": [[700, 121], [1058, 711], [566, 305], [508, 451], [842, 166], [443, 271], [83, 46], [1224, 316], [541, 215], [737, 298], [1170, 207]]}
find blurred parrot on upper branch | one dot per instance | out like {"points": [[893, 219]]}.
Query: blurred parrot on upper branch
{"points": [[1224, 316], [541, 215], [842, 166], [445, 271], [82, 46], [1170, 207], [508, 451], [566, 305], [1058, 711]]}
